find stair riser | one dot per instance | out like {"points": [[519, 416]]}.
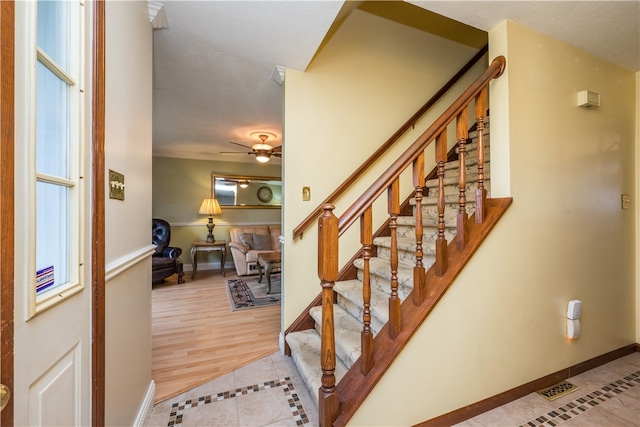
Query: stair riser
{"points": [[428, 240], [357, 311], [453, 180], [348, 331], [470, 188], [429, 234], [451, 209], [470, 163], [473, 145], [384, 285], [407, 258]]}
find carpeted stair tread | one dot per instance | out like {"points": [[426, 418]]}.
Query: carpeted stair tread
{"points": [[429, 229], [473, 145], [350, 298], [429, 222], [408, 244], [453, 180], [468, 162], [347, 332], [406, 250], [448, 199], [380, 272], [305, 350]]}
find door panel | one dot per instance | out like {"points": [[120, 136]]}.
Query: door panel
{"points": [[61, 379]]}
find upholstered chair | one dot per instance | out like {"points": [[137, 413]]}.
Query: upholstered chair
{"points": [[165, 261]]}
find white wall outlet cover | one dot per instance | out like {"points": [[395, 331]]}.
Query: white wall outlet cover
{"points": [[574, 309]]}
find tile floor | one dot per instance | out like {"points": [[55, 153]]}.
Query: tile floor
{"points": [[270, 392], [608, 396]]}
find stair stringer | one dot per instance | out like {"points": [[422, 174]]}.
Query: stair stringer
{"points": [[354, 387]]}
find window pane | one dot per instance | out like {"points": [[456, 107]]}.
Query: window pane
{"points": [[52, 124], [53, 30], [52, 236]]}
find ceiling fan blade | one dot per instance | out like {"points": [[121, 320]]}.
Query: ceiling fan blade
{"points": [[275, 154], [235, 152], [241, 145], [277, 149]]}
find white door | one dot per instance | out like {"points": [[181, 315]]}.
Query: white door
{"points": [[52, 343]]}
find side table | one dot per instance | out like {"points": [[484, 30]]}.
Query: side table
{"points": [[267, 262], [218, 245]]}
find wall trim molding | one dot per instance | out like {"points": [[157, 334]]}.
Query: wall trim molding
{"points": [[147, 406], [493, 402], [122, 264]]}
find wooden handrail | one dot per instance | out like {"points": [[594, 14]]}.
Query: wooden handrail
{"points": [[309, 220], [496, 68]]}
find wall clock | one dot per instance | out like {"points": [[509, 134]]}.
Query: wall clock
{"points": [[265, 194]]}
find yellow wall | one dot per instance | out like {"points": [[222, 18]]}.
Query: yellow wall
{"points": [[179, 185], [128, 151], [365, 83], [565, 237]]}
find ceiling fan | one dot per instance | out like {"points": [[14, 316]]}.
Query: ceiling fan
{"points": [[261, 150]]}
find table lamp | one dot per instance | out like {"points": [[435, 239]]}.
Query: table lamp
{"points": [[210, 207]]}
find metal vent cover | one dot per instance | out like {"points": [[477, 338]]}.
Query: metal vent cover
{"points": [[558, 390]]}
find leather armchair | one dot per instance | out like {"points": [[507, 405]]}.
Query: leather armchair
{"points": [[165, 261]]}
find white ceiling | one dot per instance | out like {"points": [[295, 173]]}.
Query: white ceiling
{"points": [[213, 66], [213, 71]]}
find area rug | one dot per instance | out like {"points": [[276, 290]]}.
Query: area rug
{"points": [[245, 293]]}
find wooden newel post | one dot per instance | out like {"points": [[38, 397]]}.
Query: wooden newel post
{"points": [[328, 404]]}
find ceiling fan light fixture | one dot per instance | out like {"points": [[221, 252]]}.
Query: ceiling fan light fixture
{"points": [[263, 156], [262, 147]]}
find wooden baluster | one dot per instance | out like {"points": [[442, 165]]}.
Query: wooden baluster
{"points": [[328, 405], [393, 197], [366, 337], [419, 289], [481, 192], [442, 259], [461, 135]]}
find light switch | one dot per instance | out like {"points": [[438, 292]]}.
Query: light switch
{"points": [[116, 185], [306, 194]]}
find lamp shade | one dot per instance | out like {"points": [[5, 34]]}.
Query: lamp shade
{"points": [[210, 207]]}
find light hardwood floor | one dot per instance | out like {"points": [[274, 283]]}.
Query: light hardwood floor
{"points": [[196, 337]]}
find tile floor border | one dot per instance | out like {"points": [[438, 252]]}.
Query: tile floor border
{"points": [[586, 402], [297, 410]]}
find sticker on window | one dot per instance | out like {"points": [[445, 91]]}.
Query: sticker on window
{"points": [[44, 279]]}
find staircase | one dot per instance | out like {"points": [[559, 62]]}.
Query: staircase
{"points": [[348, 310], [368, 311]]}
